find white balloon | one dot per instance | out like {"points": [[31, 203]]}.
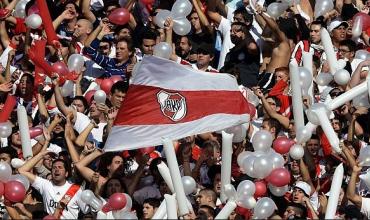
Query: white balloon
{"points": [[264, 208], [245, 188], [361, 54], [366, 179], [248, 166], [230, 192], [357, 27], [100, 96], [305, 78], [33, 21], [5, 171], [89, 198], [312, 113], [189, 184], [324, 79], [242, 156], [163, 49], [67, 88], [239, 131], [322, 7], [262, 141], [22, 179], [278, 191], [296, 152], [161, 17], [16, 163], [364, 157], [341, 64], [276, 159], [181, 9], [20, 9], [247, 202], [5, 129], [303, 135], [181, 26], [76, 63], [262, 166], [275, 9], [342, 77], [361, 100]]}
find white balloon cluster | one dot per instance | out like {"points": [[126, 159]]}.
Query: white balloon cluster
{"points": [[33, 21], [20, 9], [75, 63], [179, 11], [163, 49]]}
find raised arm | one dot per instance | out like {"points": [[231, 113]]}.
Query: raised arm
{"points": [[86, 11], [82, 137], [44, 114], [351, 188], [64, 16], [202, 17], [59, 100], [26, 169], [85, 171], [271, 23]]}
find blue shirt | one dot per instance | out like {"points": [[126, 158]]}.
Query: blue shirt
{"points": [[108, 64]]}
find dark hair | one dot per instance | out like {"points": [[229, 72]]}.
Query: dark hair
{"points": [[153, 202], [35, 194], [105, 160], [78, 9], [243, 11], [108, 3], [212, 171], [149, 33], [317, 22], [348, 43], [104, 188], [282, 69], [66, 165], [10, 151], [276, 100], [209, 209], [130, 45], [301, 207], [315, 137], [83, 100], [243, 27], [274, 123], [120, 86]]}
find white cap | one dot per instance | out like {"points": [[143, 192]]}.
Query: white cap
{"points": [[305, 187], [335, 24]]}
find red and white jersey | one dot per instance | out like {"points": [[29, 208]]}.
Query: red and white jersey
{"points": [[306, 46], [194, 65]]}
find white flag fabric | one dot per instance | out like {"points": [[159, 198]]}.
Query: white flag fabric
{"points": [[170, 100]]}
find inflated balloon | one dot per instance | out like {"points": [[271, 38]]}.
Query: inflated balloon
{"points": [[279, 177], [276, 9], [60, 68], [342, 77], [247, 202], [33, 10], [100, 96], [163, 49], [1, 189], [361, 101], [35, 131], [312, 113], [364, 177], [67, 88], [248, 165], [242, 156], [106, 85], [181, 9], [128, 203], [116, 201], [230, 192], [323, 79], [361, 54], [303, 135], [282, 144], [239, 132], [276, 159], [5, 129], [89, 198], [264, 208], [357, 27], [296, 152], [364, 157], [365, 18], [33, 21], [181, 26], [246, 188], [22, 179], [291, 2], [161, 17], [262, 141], [262, 166], [76, 63], [14, 191], [119, 16], [88, 96], [341, 63], [16, 163], [5, 171], [305, 78], [20, 9], [116, 78], [278, 191], [189, 184], [10, 103], [322, 7], [261, 189]]}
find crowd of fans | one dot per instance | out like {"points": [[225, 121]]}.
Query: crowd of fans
{"points": [[236, 37]]}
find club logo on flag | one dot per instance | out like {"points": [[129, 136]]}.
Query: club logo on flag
{"points": [[173, 105]]}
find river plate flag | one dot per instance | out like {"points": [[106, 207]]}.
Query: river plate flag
{"points": [[166, 99]]}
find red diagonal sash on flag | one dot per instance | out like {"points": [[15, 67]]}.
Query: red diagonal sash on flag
{"points": [[166, 99]]}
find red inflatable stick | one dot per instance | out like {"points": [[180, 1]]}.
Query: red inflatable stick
{"points": [[48, 24], [9, 105]]}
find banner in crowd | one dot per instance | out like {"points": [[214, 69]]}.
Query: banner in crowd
{"points": [[166, 99]]}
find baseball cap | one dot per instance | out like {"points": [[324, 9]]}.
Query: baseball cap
{"points": [[305, 187], [335, 24]]}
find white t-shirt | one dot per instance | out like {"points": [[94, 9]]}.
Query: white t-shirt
{"points": [[82, 121], [224, 27], [52, 194], [365, 207]]}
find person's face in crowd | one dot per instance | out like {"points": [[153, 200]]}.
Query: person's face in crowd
{"points": [[217, 184], [162, 35], [344, 52], [236, 34], [291, 130], [313, 146], [148, 211], [72, 9], [281, 75], [117, 162], [205, 212], [315, 33], [104, 48], [94, 112], [184, 45], [117, 98], [203, 199], [79, 105], [18, 39], [294, 167], [58, 173], [82, 28], [339, 33], [148, 45], [352, 150], [124, 33], [48, 161], [25, 85], [5, 158], [163, 188], [290, 212], [58, 129], [204, 59], [195, 23], [122, 52], [110, 9], [114, 186], [298, 195], [238, 18], [336, 125], [16, 139], [272, 104]]}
